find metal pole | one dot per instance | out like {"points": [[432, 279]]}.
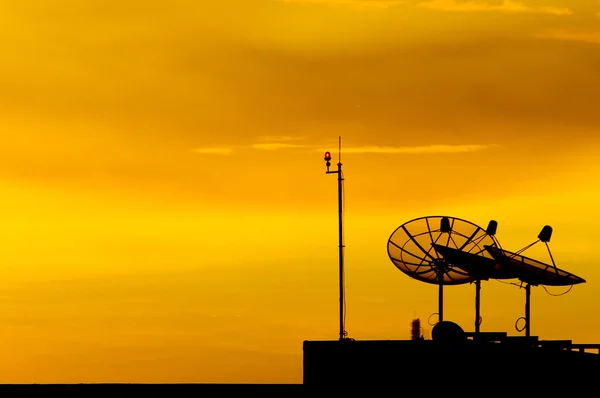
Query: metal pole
{"points": [[477, 304], [527, 310], [341, 234], [341, 251], [441, 294]]}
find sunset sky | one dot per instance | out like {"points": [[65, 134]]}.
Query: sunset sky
{"points": [[166, 213]]}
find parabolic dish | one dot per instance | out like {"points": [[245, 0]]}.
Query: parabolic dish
{"points": [[532, 271], [410, 247], [479, 266]]}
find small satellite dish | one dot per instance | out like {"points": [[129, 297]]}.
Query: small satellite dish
{"points": [[416, 249], [474, 259], [479, 264], [533, 272]]}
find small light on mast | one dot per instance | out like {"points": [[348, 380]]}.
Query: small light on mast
{"points": [[328, 159]]}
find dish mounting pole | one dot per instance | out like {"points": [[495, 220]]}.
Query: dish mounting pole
{"points": [[477, 305], [527, 310], [341, 246], [544, 236], [441, 293]]}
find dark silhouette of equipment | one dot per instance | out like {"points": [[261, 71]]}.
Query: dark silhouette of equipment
{"points": [[448, 332], [533, 272], [422, 248], [444, 250], [415, 330]]}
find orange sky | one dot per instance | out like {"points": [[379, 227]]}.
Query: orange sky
{"points": [[166, 213]]}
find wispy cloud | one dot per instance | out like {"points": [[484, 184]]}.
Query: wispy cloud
{"points": [[214, 151], [275, 142], [375, 149], [356, 4], [562, 34], [429, 149], [278, 138], [277, 145], [482, 6]]}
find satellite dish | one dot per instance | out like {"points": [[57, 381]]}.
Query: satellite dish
{"points": [[481, 267], [474, 259], [417, 246], [533, 272], [478, 263]]}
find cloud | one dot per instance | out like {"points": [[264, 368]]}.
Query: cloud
{"points": [[429, 149], [267, 143], [356, 4], [563, 34], [214, 151], [277, 145], [278, 138], [425, 149], [482, 6]]}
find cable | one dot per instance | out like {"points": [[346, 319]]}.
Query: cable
{"points": [[429, 319], [547, 291], [557, 295], [507, 283], [344, 245], [525, 248]]}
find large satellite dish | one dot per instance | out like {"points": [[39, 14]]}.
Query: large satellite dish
{"points": [[417, 248], [533, 272]]}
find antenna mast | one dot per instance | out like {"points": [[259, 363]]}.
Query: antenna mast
{"points": [[340, 180]]}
